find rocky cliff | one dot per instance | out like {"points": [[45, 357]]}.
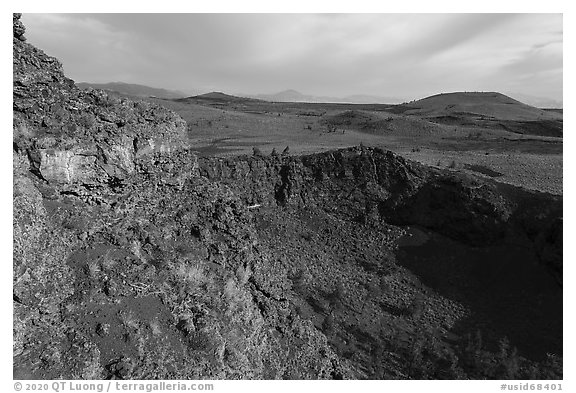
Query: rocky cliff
{"points": [[75, 136], [373, 185]]}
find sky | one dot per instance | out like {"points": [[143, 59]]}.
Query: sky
{"points": [[408, 56]]}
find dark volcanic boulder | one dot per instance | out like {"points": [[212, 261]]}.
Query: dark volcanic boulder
{"points": [[18, 27], [457, 206]]}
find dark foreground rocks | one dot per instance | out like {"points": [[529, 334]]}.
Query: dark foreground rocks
{"points": [[134, 259]]}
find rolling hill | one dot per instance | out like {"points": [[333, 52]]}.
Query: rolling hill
{"points": [[218, 97], [295, 96], [485, 110], [479, 104], [215, 99]]}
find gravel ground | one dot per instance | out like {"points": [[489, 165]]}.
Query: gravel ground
{"points": [[540, 172]]}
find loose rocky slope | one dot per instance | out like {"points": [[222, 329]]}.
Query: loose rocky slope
{"points": [[486, 109], [126, 266], [133, 258]]}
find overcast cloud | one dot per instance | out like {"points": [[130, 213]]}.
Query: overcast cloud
{"points": [[396, 55]]}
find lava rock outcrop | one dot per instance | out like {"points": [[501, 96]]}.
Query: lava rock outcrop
{"points": [[127, 267]]}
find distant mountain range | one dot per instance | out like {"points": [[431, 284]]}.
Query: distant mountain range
{"points": [[538, 102], [296, 96], [284, 96], [134, 89]]}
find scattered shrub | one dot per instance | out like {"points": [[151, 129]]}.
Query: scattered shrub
{"points": [[191, 274], [128, 319], [155, 327], [243, 273]]}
